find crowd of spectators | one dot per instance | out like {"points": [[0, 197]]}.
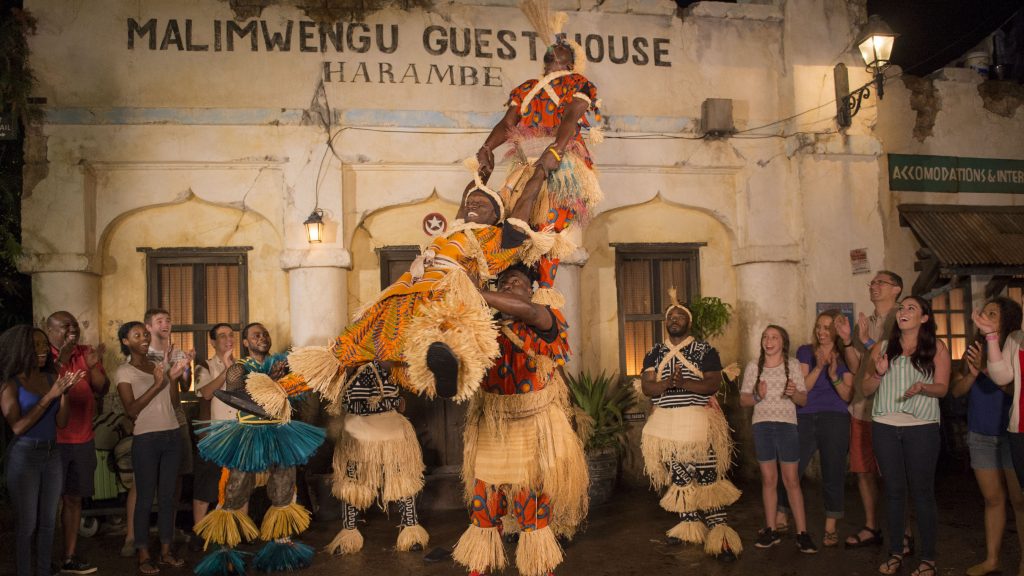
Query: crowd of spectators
{"points": [[862, 395]]}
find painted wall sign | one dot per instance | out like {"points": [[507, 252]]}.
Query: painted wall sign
{"points": [[919, 173], [494, 45], [434, 224], [187, 35], [859, 263], [8, 126], [846, 308]]}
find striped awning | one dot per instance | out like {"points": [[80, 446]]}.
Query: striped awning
{"points": [[969, 238]]}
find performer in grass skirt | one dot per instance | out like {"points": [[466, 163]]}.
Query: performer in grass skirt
{"points": [[377, 458], [263, 440], [686, 444]]}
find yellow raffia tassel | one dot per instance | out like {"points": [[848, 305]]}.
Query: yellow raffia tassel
{"points": [[411, 536], [480, 549], [563, 246], [284, 522], [226, 527], [692, 532], [548, 297], [596, 134], [720, 538], [538, 552], [321, 369], [538, 13], [345, 542], [718, 495], [679, 499], [463, 321], [579, 65], [692, 497], [732, 371], [269, 394], [543, 243]]}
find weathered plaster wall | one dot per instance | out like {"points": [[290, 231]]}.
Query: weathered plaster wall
{"points": [[155, 124], [946, 115], [198, 224], [663, 220]]}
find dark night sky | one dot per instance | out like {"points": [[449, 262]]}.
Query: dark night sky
{"points": [[935, 32]]}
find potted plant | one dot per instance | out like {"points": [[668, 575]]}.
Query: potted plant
{"points": [[601, 403], [710, 316]]}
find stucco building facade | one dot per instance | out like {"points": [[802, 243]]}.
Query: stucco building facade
{"points": [[196, 129]]}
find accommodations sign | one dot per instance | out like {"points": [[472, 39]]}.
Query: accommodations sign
{"points": [[915, 173]]}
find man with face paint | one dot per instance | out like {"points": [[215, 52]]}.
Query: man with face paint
{"points": [[686, 444], [521, 455]]}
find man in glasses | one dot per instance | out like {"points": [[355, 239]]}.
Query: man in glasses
{"points": [[884, 290]]}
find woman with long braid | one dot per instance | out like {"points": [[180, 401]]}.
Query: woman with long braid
{"points": [[907, 376], [774, 387]]}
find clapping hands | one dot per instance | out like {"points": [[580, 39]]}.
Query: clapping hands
{"points": [[64, 383]]}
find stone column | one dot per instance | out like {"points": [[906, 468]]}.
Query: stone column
{"points": [[318, 293], [65, 282], [568, 283], [770, 289]]}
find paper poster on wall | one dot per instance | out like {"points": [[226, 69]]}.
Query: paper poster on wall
{"points": [[845, 307], [859, 261]]}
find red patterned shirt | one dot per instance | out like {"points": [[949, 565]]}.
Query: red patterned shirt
{"points": [[545, 114], [515, 371]]}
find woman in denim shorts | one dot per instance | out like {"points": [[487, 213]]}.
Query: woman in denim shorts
{"points": [[988, 413], [774, 386]]}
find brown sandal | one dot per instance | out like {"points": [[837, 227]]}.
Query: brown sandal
{"points": [[148, 568], [925, 568], [892, 565], [830, 540], [171, 561]]}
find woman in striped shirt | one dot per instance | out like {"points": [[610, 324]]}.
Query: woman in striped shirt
{"points": [[907, 376]]}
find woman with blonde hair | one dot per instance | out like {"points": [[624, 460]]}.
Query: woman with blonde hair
{"points": [[823, 423]]}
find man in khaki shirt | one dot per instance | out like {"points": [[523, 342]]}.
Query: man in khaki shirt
{"points": [[884, 290], [210, 377]]}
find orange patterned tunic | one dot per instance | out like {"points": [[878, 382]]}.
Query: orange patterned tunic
{"points": [[379, 332]]}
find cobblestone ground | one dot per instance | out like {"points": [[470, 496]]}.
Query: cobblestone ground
{"points": [[626, 537]]}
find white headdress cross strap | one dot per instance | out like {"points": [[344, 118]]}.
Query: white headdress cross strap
{"points": [[676, 351], [474, 166]]}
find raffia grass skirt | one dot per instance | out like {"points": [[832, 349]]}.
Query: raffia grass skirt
{"points": [[386, 456], [525, 442], [684, 434]]}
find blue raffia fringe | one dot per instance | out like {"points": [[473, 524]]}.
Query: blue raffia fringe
{"points": [[258, 447], [281, 556], [222, 562]]}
